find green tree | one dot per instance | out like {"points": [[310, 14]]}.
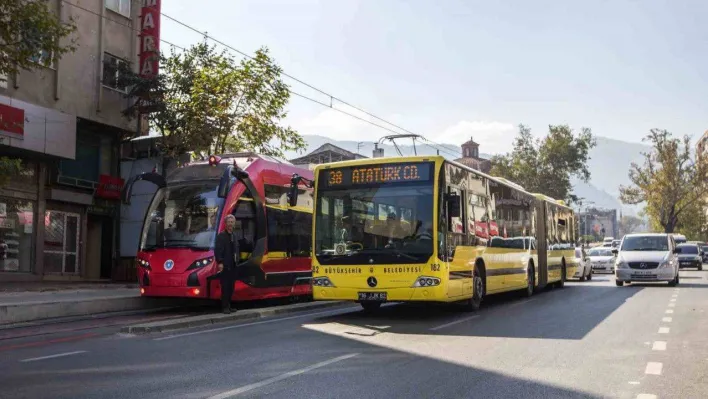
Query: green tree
{"points": [[629, 224], [8, 167], [671, 182], [28, 28], [693, 222], [546, 165], [203, 101]]}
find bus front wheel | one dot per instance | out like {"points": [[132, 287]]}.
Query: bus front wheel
{"points": [[475, 302], [370, 306]]}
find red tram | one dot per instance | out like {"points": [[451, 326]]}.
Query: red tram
{"points": [[176, 253]]}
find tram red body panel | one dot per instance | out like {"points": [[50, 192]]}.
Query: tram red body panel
{"points": [[165, 272]]}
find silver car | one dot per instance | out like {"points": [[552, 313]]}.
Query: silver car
{"points": [[646, 258], [601, 259]]}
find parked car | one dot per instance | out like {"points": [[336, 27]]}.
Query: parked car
{"points": [[615, 243], [601, 259], [584, 272], [704, 248], [646, 258], [690, 255]]}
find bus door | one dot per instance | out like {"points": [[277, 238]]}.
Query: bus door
{"points": [[541, 244]]}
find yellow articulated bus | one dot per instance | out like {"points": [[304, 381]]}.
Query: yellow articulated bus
{"points": [[428, 229]]}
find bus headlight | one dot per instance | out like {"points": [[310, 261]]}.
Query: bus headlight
{"points": [[144, 264], [198, 264], [425, 281], [322, 282]]}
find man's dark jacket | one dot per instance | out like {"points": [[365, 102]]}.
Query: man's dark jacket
{"points": [[226, 246]]}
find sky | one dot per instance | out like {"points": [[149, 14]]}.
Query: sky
{"points": [[450, 70]]}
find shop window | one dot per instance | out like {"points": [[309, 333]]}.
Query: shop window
{"points": [[86, 164], [16, 235], [113, 72]]}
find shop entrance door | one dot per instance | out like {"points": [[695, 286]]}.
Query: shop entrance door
{"points": [[61, 242]]}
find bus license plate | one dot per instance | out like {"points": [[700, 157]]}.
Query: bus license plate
{"points": [[372, 296]]}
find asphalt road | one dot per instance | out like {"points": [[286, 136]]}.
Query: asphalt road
{"points": [[588, 340]]}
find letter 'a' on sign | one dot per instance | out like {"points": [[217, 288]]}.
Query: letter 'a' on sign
{"points": [[377, 174]]}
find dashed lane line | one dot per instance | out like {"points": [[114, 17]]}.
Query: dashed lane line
{"points": [[34, 359], [250, 387], [659, 346], [646, 396], [669, 311], [664, 330], [654, 368], [666, 319], [452, 323]]}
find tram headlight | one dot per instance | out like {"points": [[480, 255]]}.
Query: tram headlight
{"points": [[322, 282], [425, 281], [144, 264], [199, 263]]}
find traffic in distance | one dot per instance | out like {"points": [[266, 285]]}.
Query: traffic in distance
{"points": [[431, 230]]}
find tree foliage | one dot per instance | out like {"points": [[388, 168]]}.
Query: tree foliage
{"points": [[672, 182], [29, 28], [546, 165], [203, 101], [629, 224], [9, 167]]}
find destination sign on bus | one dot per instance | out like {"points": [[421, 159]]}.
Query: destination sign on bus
{"points": [[377, 174]]}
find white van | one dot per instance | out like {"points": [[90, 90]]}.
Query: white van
{"points": [[607, 242]]}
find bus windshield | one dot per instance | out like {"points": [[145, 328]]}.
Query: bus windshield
{"points": [[182, 216], [377, 224]]}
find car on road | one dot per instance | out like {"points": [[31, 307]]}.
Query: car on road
{"points": [[704, 248], [584, 272], [615, 243], [690, 255], [647, 257], [679, 238], [601, 259]]}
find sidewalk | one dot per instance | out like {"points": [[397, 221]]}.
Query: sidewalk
{"points": [[45, 301]]}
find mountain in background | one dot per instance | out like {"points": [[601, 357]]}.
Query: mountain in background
{"points": [[609, 164]]}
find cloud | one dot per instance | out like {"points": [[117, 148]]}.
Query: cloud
{"points": [[493, 137], [338, 126]]}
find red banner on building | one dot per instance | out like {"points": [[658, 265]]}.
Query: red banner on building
{"points": [[12, 121], [109, 187], [150, 38]]}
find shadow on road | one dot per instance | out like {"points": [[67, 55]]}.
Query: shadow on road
{"points": [[504, 315]]}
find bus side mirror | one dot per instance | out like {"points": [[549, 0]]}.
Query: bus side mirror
{"points": [[454, 208], [292, 195]]}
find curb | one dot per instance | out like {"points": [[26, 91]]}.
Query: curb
{"points": [[32, 312], [205, 320]]}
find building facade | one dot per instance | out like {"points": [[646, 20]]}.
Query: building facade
{"points": [[326, 153], [60, 218]]}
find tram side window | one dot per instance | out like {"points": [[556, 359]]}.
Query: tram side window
{"points": [[245, 215], [278, 229], [275, 195], [301, 239]]}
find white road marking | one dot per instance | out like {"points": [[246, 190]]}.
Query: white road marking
{"points": [[672, 305], [667, 319], [673, 300], [250, 387], [453, 323], [663, 330], [669, 311], [634, 383], [659, 346], [674, 296], [250, 324], [521, 302], [646, 396], [654, 368], [52, 356]]}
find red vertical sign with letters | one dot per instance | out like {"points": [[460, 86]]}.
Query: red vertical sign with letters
{"points": [[149, 57], [150, 38]]}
